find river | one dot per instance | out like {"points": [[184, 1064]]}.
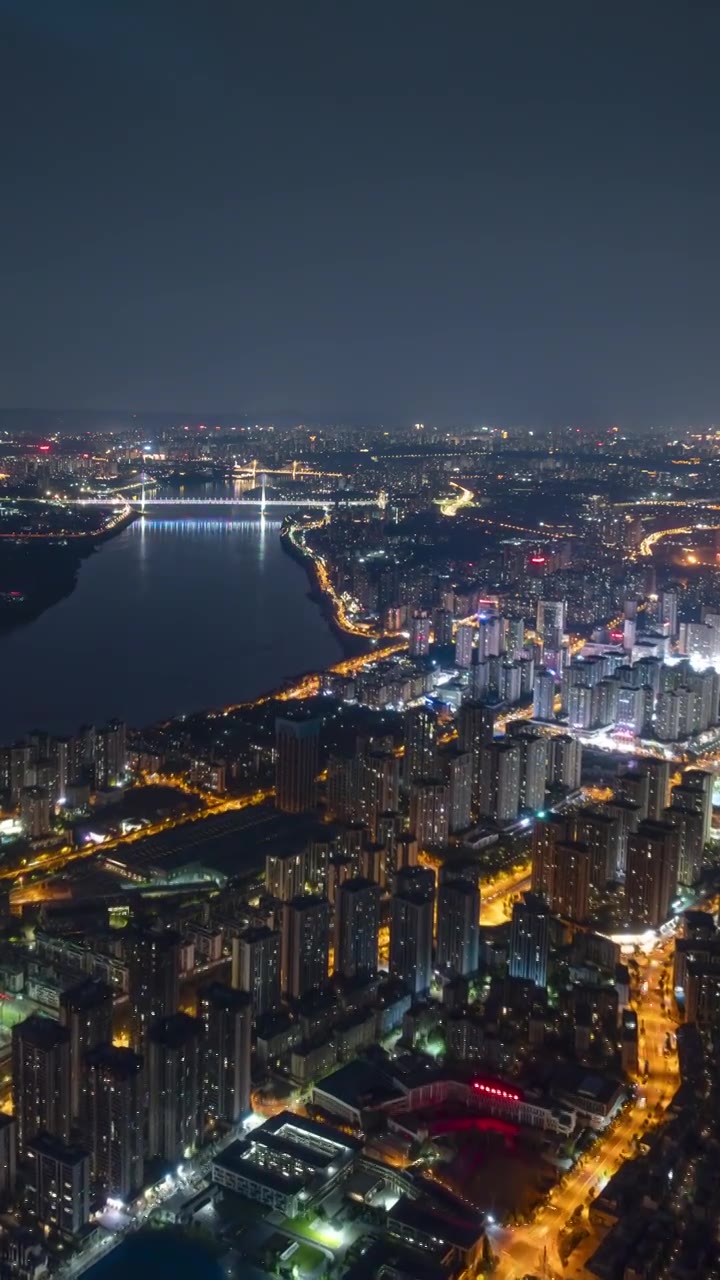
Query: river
{"points": [[194, 608]]}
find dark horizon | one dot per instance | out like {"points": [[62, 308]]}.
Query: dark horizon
{"points": [[50, 420], [491, 214]]}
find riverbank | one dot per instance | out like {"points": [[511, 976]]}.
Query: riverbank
{"points": [[36, 573], [354, 643], [172, 618]]}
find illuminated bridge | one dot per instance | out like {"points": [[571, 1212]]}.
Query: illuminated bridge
{"points": [[142, 501]]}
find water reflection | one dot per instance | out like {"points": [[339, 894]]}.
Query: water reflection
{"points": [[171, 616], [191, 525]]}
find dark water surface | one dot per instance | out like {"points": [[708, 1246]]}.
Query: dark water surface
{"points": [[192, 608], [157, 1255]]}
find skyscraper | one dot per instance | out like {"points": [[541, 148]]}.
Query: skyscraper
{"points": [[411, 937], [86, 1010], [667, 611], [373, 863], [35, 812], [60, 760], [419, 635], [429, 812], [634, 784], [57, 1185], [420, 760], [256, 966], [658, 772], [551, 630], [547, 832], [476, 726], [8, 1157], [544, 695], [631, 709], [357, 924], [458, 766], [443, 627], [627, 816], [175, 1086], [530, 940], [478, 685], [580, 706], [565, 762], [339, 870], [601, 832], [285, 874], [500, 781], [110, 756], [41, 1079], [696, 792], [296, 745], [227, 1017], [489, 636], [20, 771], [153, 960], [689, 833], [458, 923], [379, 789], [533, 748], [652, 873], [464, 640], [515, 637], [113, 1119], [305, 945], [571, 880]]}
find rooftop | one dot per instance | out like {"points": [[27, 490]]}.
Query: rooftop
{"points": [[44, 1144], [43, 1033], [586, 1084], [418, 1215], [360, 1084], [289, 1153], [175, 1030]]}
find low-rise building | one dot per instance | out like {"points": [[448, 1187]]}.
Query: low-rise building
{"points": [[446, 1238], [309, 1062], [286, 1163], [596, 1098]]}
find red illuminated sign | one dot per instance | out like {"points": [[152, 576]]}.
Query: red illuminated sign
{"points": [[496, 1091]]}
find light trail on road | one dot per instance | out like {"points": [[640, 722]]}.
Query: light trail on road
{"points": [[451, 506], [648, 543]]}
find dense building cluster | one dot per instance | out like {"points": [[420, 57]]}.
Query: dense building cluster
{"points": [[284, 953]]}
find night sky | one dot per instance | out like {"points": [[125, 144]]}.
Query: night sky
{"points": [[375, 210]]}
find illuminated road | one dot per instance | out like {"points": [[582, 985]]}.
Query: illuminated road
{"points": [[52, 861], [464, 498], [343, 607], [309, 686], [648, 543], [496, 896], [521, 1248], [111, 523]]}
